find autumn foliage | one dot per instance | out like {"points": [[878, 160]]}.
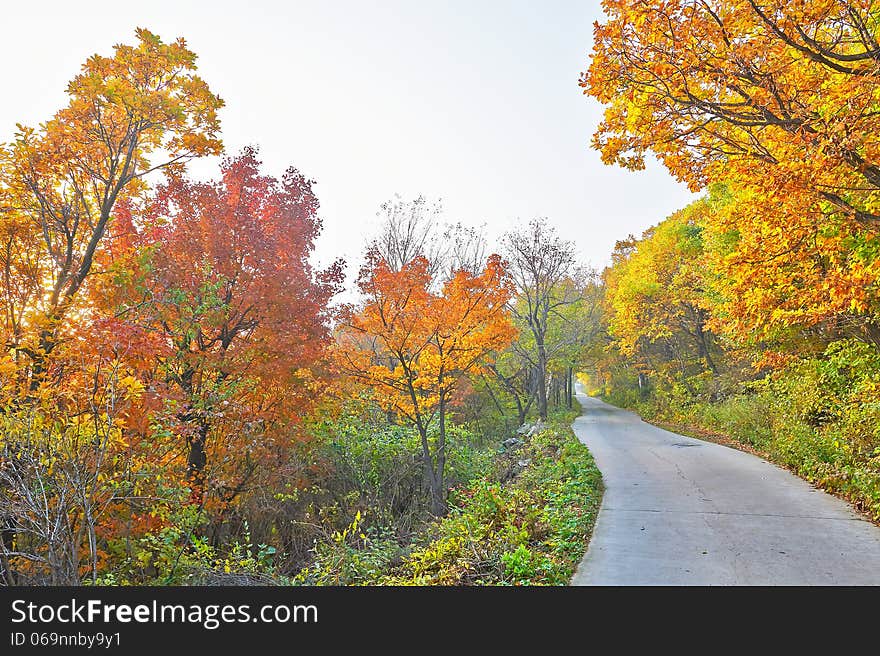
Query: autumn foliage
{"points": [[218, 274], [413, 346], [755, 311], [177, 386], [777, 100], [162, 345], [142, 110], [657, 295]]}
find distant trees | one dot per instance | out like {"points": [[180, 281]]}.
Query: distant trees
{"points": [[548, 281], [554, 304], [658, 299]]}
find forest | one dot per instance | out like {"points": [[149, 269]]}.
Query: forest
{"points": [[186, 400]]}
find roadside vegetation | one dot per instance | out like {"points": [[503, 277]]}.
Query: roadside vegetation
{"points": [[524, 517]]}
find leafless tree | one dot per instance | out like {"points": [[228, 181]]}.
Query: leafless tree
{"points": [[412, 229], [547, 277], [409, 230], [465, 249]]}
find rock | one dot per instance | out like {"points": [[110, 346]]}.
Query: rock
{"points": [[512, 442], [530, 429], [524, 463]]}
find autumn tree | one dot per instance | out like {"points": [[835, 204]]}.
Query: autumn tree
{"points": [[139, 111], [413, 345], [658, 301], [781, 88], [813, 275], [219, 274], [543, 268], [776, 99]]}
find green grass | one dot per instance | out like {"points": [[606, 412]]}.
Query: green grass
{"points": [[526, 523]]}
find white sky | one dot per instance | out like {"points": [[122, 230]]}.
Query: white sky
{"points": [[475, 102]]}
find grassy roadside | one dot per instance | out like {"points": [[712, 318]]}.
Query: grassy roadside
{"points": [[527, 522], [524, 516]]}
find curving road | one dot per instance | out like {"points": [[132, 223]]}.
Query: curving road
{"points": [[679, 511]]}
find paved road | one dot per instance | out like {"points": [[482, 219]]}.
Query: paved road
{"points": [[679, 511]]}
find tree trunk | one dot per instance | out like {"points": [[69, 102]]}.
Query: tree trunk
{"points": [[704, 347], [438, 496], [643, 385], [542, 381], [570, 385], [438, 505], [196, 461]]}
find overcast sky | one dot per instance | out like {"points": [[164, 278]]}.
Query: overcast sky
{"points": [[475, 102]]}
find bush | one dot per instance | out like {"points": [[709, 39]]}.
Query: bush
{"points": [[746, 418], [373, 500]]}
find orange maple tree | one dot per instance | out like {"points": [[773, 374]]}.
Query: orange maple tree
{"points": [[413, 346]]}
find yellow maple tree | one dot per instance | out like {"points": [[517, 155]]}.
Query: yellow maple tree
{"points": [[143, 109]]}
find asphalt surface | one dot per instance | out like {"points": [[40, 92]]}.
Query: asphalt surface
{"points": [[680, 511]]}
